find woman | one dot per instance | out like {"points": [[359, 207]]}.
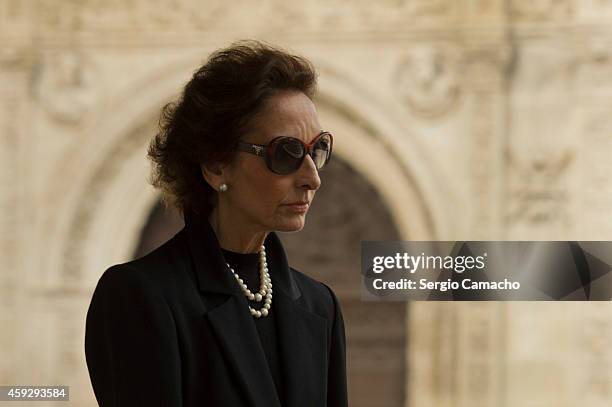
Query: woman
{"points": [[216, 316]]}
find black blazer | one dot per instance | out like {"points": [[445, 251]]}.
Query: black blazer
{"points": [[173, 329]]}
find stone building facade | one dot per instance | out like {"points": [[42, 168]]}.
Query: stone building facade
{"points": [[453, 120]]}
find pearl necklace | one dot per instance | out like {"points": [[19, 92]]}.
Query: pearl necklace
{"points": [[265, 288]]}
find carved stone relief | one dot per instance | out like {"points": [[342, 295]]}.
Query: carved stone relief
{"points": [[427, 80], [484, 86], [542, 10], [68, 86], [133, 15], [537, 191], [539, 158], [169, 15]]}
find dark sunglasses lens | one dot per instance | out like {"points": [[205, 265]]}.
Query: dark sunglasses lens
{"points": [[322, 151], [287, 156]]}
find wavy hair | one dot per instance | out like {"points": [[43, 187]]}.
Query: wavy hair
{"points": [[214, 111]]}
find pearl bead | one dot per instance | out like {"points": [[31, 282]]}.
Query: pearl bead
{"points": [[265, 287]]}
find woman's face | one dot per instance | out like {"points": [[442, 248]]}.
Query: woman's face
{"points": [[259, 196]]}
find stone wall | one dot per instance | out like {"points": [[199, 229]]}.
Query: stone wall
{"points": [[473, 119]]}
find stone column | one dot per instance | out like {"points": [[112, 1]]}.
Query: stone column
{"points": [[15, 126]]}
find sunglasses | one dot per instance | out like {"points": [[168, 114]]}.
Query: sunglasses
{"points": [[284, 155]]}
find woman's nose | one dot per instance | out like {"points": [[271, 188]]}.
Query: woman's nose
{"points": [[308, 174]]}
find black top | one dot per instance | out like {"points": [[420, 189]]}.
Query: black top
{"points": [[246, 265]]}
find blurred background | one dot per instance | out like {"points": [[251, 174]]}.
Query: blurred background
{"points": [[453, 120]]}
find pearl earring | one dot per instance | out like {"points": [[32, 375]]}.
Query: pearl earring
{"points": [[223, 187]]}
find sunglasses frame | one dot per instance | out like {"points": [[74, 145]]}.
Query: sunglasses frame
{"points": [[265, 150]]}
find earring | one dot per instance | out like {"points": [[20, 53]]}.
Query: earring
{"points": [[223, 187]]}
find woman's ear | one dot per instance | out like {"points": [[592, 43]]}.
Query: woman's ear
{"points": [[213, 174]]}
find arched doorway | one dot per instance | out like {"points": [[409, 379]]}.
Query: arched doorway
{"points": [[112, 208]]}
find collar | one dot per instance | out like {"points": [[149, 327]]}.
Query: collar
{"points": [[211, 270]]}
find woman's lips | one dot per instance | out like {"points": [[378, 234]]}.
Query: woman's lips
{"points": [[298, 207]]}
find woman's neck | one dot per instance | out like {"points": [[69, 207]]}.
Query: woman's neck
{"points": [[233, 234]]}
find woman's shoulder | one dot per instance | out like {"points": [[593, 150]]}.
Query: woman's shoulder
{"points": [[317, 295], [125, 278], [158, 269]]}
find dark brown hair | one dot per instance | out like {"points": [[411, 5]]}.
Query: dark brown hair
{"points": [[214, 110]]}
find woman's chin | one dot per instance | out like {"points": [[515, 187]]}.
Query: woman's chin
{"points": [[293, 224]]}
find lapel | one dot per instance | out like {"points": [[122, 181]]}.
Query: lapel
{"points": [[302, 335]]}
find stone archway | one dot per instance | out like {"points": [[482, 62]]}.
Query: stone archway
{"points": [[111, 204]]}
